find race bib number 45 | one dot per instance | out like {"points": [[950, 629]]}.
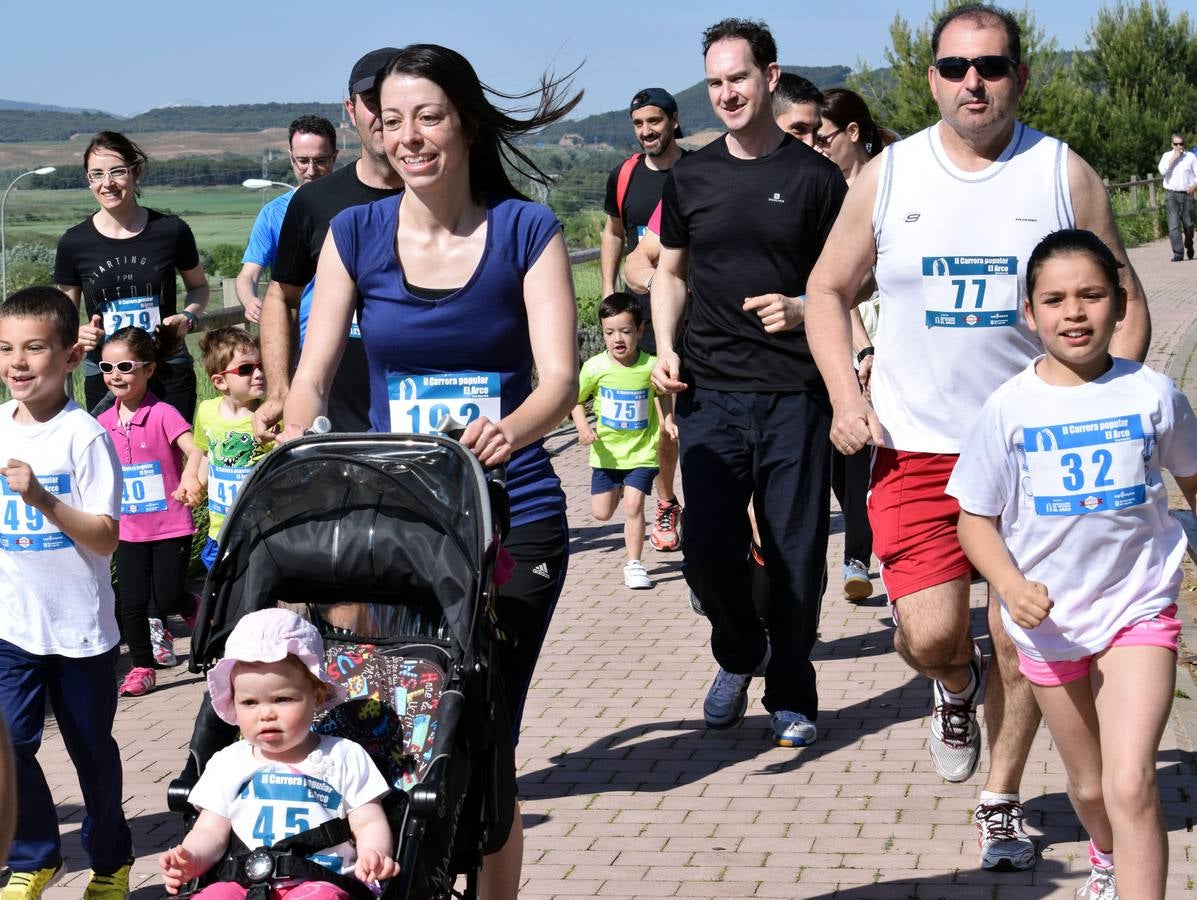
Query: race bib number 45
{"points": [[141, 312], [1086, 467], [623, 410], [24, 527], [970, 291], [419, 403]]}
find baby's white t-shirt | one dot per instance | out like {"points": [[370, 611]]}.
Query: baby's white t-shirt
{"points": [[1074, 474]]}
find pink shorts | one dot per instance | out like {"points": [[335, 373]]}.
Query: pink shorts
{"points": [[1162, 631], [304, 890], [914, 521]]}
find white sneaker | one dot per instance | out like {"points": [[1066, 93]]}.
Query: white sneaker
{"points": [[163, 644], [635, 577], [1100, 886], [727, 697], [856, 581], [955, 741], [791, 729], [1003, 842]]}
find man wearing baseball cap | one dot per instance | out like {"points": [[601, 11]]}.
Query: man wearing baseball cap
{"points": [[370, 178], [633, 192]]}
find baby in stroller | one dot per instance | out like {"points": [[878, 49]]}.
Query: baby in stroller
{"points": [[281, 778]]}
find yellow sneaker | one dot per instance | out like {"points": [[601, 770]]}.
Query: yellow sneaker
{"points": [[29, 885], [108, 887]]}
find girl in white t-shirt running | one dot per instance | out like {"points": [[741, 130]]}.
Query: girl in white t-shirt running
{"points": [[1065, 512]]}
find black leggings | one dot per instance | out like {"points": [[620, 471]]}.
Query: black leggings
{"points": [[152, 580]]}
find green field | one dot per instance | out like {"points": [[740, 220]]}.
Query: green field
{"points": [[217, 215]]}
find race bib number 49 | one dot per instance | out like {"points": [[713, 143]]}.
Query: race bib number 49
{"points": [[1086, 467], [141, 312], [24, 527], [623, 410], [419, 403], [970, 291]]}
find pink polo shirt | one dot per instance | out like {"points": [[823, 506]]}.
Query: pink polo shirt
{"points": [[152, 466]]}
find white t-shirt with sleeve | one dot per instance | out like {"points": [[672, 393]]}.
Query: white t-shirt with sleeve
{"points": [[56, 596], [1074, 474], [267, 801]]}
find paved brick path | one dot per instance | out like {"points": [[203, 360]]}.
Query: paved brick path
{"points": [[628, 795]]}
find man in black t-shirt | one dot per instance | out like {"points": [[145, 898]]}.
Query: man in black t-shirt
{"points": [[743, 221], [655, 121], [300, 239]]}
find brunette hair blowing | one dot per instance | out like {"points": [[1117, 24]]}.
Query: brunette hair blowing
{"points": [[491, 130], [843, 107], [115, 142]]}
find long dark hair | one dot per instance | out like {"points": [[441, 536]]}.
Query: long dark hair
{"points": [[491, 130], [115, 142], [843, 107]]}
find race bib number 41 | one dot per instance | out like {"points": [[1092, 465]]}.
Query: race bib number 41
{"points": [[24, 527], [224, 482], [419, 403], [1086, 467], [970, 291], [141, 312]]}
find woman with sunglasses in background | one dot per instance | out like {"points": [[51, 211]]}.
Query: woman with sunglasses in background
{"points": [[122, 263]]}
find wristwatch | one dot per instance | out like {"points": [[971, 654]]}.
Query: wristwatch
{"points": [[191, 319], [867, 351]]}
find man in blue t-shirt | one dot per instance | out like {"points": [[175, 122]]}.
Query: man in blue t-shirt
{"points": [[312, 142]]}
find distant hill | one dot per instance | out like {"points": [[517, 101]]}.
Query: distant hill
{"points": [[24, 124], [42, 107], [693, 106]]}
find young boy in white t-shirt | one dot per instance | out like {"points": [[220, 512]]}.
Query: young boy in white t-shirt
{"points": [[59, 510], [1065, 512]]}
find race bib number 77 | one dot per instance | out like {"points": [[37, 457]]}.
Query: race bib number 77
{"points": [[970, 291]]}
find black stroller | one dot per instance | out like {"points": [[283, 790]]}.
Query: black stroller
{"points": [[387, 543]]}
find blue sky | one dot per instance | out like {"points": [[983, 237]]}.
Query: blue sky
{"points": [[125, 58]]}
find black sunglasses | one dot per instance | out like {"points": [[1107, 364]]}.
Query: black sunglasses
{"points": [[954, 68]]}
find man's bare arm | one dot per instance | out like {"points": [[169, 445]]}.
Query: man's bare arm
{"points": [[610, 252]]}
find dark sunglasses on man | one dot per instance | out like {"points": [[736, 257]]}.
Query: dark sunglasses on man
{"points": [[991, 68]]}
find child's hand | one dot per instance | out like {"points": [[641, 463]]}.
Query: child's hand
{"points": [[1028, 603], [586, 436], [669, 426], [179, 866], [190, 491], [375, 866], [22, 481]]}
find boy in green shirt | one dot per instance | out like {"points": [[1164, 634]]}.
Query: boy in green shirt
{"points": [[623, 449]]}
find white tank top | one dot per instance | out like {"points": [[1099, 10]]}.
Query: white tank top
{"points": [[952, 249]]}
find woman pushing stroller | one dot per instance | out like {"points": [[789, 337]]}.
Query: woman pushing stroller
{"points": [[281, 778]]}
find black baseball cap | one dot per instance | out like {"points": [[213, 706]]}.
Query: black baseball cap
{"points": [[366, 69], [658, 97]]}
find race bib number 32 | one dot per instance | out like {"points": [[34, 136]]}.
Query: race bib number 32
{"points": [[140, 312], [419, 403], [970, 291], [24, 527], [1086, 467]]}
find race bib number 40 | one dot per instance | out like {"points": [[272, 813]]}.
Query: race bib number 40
{"points": [[1086, 467], [144, 491], [419, 403], [623, 410], [970, 291], [224, 482], [142, 312], [24, 527]]}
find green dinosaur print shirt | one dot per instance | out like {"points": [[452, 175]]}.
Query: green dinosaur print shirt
{"points": [[232, 451]]}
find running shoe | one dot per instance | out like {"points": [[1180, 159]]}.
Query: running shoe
{"points": [[696, 604], [635, 577], [856, 581], [955, 742], [163, 644], [791, 729], [109, 887], [29, 885], [666, 534], [1003, 842], [1100, 886], [139, 682], [727, 698]]}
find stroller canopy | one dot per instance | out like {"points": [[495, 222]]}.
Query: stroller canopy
{"points": [[378, 519]]}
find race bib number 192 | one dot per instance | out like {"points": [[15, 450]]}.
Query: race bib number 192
{"points": [[419, 403], [970, 291], [1085, 467], [25, 527]]}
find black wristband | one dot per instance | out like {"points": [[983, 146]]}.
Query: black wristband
{"points": [[867, 351], [190, 317]]}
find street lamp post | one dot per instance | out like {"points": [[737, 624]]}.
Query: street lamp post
{"points": [[259, 184], [44, 170]]}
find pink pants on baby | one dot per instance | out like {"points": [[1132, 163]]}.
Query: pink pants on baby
{"points": [[304, 890]]}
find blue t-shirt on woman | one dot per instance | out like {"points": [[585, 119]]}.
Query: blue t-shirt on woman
{"points": [[466, 353]]}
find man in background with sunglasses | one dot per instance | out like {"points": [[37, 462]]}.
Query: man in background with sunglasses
{"points": [[1179, 168], [948, 218]]}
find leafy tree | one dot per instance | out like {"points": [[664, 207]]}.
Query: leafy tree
{"points": [[899, 97], [1135, 87], [224, 260]]}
